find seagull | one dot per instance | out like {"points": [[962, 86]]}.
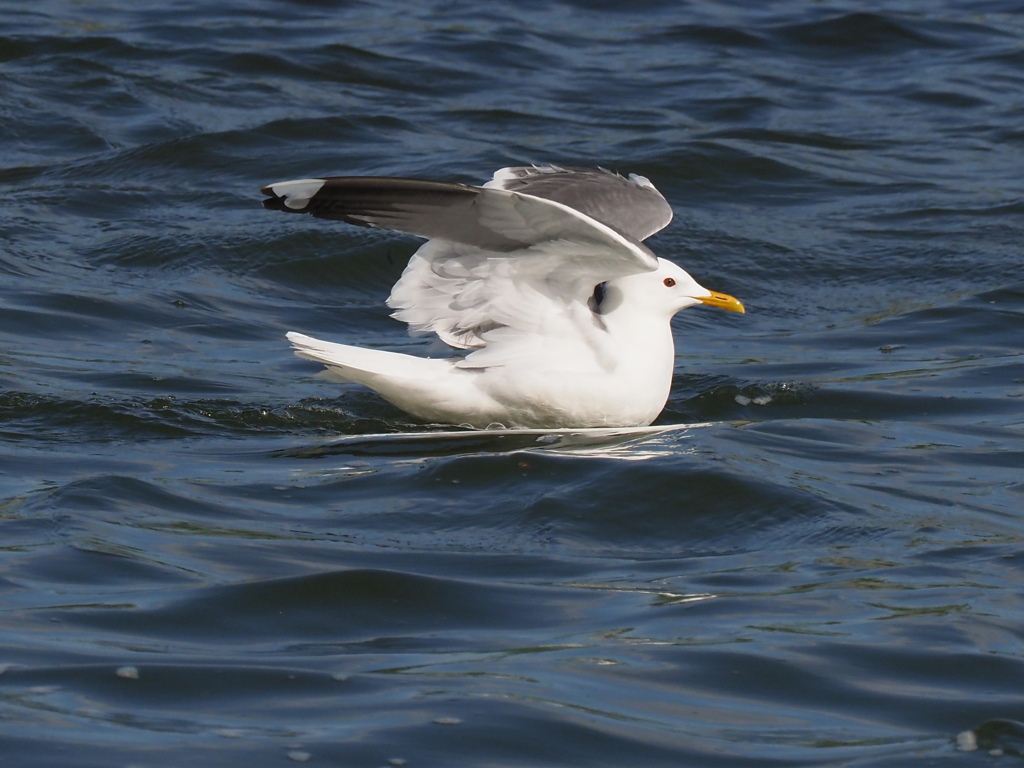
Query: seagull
{"points": [[559, 315]]}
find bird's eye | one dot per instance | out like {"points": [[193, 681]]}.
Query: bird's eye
{"points": [[669, 282]]}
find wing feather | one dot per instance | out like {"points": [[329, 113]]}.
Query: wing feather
{"points": [[632, 206], [503, 222], [502, 261]]}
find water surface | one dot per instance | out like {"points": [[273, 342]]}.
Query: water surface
{"points": [[210, 555]]}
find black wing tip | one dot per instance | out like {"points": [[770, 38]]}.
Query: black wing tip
{"points": [[275, 204], [273, 201], [278, 202]]}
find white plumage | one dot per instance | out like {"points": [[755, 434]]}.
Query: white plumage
{"points": [[539, 277]]}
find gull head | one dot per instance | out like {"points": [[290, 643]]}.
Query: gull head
{"points": [[664, 292]]}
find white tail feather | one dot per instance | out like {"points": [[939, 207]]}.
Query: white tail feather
{"points": [[365, 366]]}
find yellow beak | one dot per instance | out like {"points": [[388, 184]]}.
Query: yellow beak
{"points": [[722, 301]]}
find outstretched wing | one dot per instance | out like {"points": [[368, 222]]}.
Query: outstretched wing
{"points": [[497, 258], [631, 206]]}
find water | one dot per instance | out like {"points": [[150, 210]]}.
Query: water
{"points": [[211, 556]]}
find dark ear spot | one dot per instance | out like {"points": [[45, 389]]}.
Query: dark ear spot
{"points": [[669, 282]]}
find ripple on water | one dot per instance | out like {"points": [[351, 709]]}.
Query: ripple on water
{"points": [[204, 547]]}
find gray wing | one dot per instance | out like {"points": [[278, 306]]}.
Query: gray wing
{"points": [[631, 206], [428, 209], [496, 258], [494, 220]]}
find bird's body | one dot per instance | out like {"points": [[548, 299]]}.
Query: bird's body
{"points": [[539, 278]]}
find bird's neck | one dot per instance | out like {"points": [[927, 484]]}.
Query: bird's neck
{"points": [[643, 340]]}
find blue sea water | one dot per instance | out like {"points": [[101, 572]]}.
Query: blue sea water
{"points": [[210, 556]]}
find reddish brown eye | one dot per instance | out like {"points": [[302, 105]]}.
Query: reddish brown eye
{"points": [[669, 282]]}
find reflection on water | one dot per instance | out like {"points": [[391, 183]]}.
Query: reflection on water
{"points": [[630, 443]]}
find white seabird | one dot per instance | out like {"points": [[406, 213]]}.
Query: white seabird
{"points": [[540, 279]]}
